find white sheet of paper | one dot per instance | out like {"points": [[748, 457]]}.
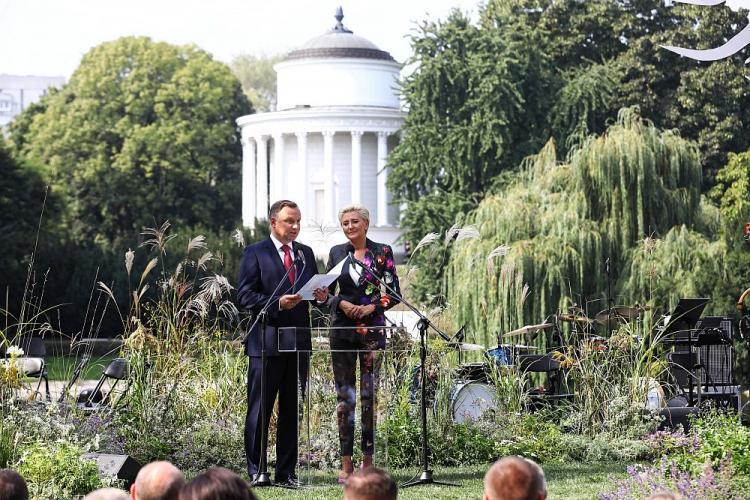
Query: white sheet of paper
{"points": [[321, 281]]}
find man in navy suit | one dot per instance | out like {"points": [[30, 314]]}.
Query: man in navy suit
{"points": [[277, 260]]}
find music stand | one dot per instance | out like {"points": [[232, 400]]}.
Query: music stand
{"points": [[686, 314]]}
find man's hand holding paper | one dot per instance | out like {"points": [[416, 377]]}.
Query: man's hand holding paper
{"points": [[317, 287]]}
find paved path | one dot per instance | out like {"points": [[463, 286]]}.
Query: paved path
{"points": [[56, 387]]}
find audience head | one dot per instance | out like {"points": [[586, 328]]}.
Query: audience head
{"points": [[107, 494], [370, 484], [514, 478], [217, 483], [12, 486], [158, 481]]}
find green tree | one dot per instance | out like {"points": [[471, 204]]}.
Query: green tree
{"points": [[143, 132], [258, 79], [470, 115], [486, 94], [28, 216], [706, 102]]}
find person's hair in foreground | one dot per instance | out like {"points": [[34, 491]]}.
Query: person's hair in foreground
{"points": [[217, 483], [12, 486], [158, 481], [370, 483], [514, 478]]}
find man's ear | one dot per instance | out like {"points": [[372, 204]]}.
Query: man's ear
{"points": [[132, 491]]}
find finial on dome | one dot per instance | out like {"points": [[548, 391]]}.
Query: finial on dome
{"points": [[339, 27]]}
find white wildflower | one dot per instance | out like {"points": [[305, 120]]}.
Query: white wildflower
{"points": [[14, 351]]}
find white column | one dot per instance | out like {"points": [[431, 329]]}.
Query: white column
{"points": [[248, 182], [382, 218], [261, 187], [279, 189], [356, 166], [330, 201], [301, 176]]}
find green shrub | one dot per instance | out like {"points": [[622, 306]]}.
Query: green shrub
{"points": [[719, 436], [60, 463], [456, 444]]}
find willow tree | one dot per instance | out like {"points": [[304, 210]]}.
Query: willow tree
{"points": [[546, 238]]}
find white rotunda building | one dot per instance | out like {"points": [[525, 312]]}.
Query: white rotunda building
{"points": [[338, 117]]}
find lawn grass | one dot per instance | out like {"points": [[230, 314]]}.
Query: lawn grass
{"points": [[572, 480], [61, 367]]}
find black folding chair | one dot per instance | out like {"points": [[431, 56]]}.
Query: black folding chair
{"points": [[32, 363], [118, 369]]}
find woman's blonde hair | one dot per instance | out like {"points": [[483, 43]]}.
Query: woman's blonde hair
{"points": [[362, 211]]}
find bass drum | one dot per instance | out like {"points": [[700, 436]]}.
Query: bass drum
{"points": [[469, 400]]}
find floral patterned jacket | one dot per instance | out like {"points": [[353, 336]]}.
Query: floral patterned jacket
{"points": [[366, 290]]}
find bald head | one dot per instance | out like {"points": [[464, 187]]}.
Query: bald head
{"points": [[158, 481], [107, 494], [514, 478]]}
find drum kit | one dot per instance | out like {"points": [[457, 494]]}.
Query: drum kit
{"points": [[473, 393]]}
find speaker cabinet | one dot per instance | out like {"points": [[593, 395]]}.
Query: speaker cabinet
{"points": [[122, 467]]}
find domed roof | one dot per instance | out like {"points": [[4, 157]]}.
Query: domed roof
{"points": [[339, 42]]}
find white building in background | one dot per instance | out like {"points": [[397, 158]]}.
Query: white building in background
{"points": [[338, 117], [19, 92]]}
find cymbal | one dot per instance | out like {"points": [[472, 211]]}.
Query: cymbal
{"points": [[465, 346], [520, 347], [573, 318], [528, 329], [618, 314]]}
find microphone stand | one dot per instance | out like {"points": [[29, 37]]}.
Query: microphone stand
{"points": [[423, 324], [262, 477]]}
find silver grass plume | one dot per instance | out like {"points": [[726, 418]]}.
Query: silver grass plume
{"points": [[427, 240], [159, 238], [451, 233], [499, 251], [238, 237], [129, 258], [204, 259], [197, 242], [469, 232]]}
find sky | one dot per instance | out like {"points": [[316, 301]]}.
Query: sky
{"points": [[49, 37]]}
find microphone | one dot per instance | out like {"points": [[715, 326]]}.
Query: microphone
{"points": [[301, 256]]}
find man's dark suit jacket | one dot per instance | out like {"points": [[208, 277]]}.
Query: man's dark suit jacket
{"points": [[261, 270]]}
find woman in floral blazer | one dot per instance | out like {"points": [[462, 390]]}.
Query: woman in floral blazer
{"points": [[360, 302]]}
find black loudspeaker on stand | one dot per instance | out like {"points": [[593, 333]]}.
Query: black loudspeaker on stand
{"points": [[426, 476]]}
